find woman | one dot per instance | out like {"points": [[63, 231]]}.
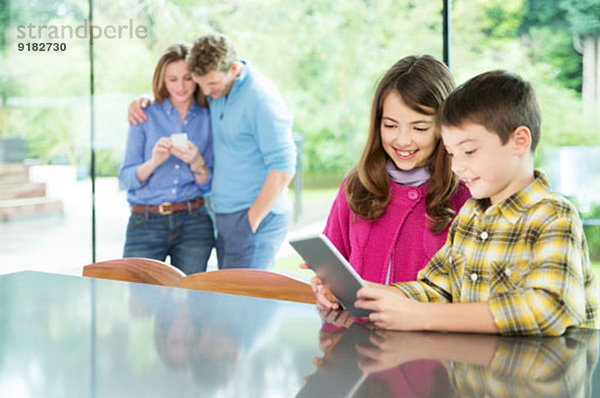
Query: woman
{"points": [[393, 210], [167, 176]]}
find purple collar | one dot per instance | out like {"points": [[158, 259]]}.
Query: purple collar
{"points": [[415, 177]]}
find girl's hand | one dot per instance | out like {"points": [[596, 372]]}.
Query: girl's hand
{"points": [[326, 301], [339, 318]]}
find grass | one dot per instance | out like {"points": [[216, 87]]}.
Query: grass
{"points": [[291, 265], [315, 208], [315, 205], [312, 195]]}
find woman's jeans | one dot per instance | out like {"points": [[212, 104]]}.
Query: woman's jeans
{"points": [[187, 237]]}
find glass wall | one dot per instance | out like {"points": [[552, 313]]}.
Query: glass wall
{"points": [[326, 58], [45, 200]]}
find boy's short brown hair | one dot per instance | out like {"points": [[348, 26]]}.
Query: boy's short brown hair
{"points": [[211, 52], [498, 100]]}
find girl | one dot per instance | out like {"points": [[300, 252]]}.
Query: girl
{"points": [[393, 210]]}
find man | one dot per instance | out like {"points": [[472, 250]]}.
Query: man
{"points": [[254, 153]]}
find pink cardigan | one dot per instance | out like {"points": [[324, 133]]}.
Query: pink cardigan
{"points": [[400, 234]]}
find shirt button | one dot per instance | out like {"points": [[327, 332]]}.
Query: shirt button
{"points": [[176, 165], [173, 190], [508, 272], [473, 276], [175, 181], [412, 194], [484, 235], [185, 122]]}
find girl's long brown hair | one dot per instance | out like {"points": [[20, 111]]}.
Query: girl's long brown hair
{"points": [[423, 82]]}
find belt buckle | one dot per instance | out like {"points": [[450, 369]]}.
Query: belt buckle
{"points": [[162, 211]]}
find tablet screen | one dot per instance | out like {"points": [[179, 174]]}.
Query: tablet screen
{"points": [[333, 269]]}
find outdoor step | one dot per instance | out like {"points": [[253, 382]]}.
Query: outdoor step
{"points": [[14, 207], [22, 190], [14, 172]]}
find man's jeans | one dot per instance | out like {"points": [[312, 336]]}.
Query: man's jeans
{"points": [[187, 237], [239, 247]]}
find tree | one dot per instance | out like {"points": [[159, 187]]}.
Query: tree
{"points": [[548, 35], [584, 19]]}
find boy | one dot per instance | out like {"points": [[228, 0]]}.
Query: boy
{"points": [[516, 261]]}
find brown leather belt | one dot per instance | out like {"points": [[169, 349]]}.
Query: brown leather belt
{"points": [[169, 208]]}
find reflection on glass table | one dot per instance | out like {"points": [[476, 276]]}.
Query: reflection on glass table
{"points": [[196, 338], [69, 336], [362, 362]]}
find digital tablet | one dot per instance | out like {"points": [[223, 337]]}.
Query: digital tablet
{"points": [[333, 269]]}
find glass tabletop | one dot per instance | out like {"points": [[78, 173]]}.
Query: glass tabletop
{"points": [[70, 336], [359, 362]]}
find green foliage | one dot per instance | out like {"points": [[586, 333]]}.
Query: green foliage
{"points": [[47, 131], [564, 122], [327, 61], [554, 47], [324, 152], [485, 26], [325, 56], [583, 16], [321, 180], [25, 12], [579, 16], [592, 231], [106, 163], [593, 213], [501, 18], [540, 50], [4, 22], [543, 13], [549, 36]]}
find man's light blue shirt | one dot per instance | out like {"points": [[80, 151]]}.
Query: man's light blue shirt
{"points": [[172, 181], [252, 130]]}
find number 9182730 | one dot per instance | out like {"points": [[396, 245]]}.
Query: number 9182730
{"points": [[42, 46]]}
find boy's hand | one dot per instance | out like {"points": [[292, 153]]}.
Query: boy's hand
{"points": [[388, 349], [391, 309], [135, 112]]}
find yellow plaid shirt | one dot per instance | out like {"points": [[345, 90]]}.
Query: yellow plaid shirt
{"points": [[526, 256]]}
